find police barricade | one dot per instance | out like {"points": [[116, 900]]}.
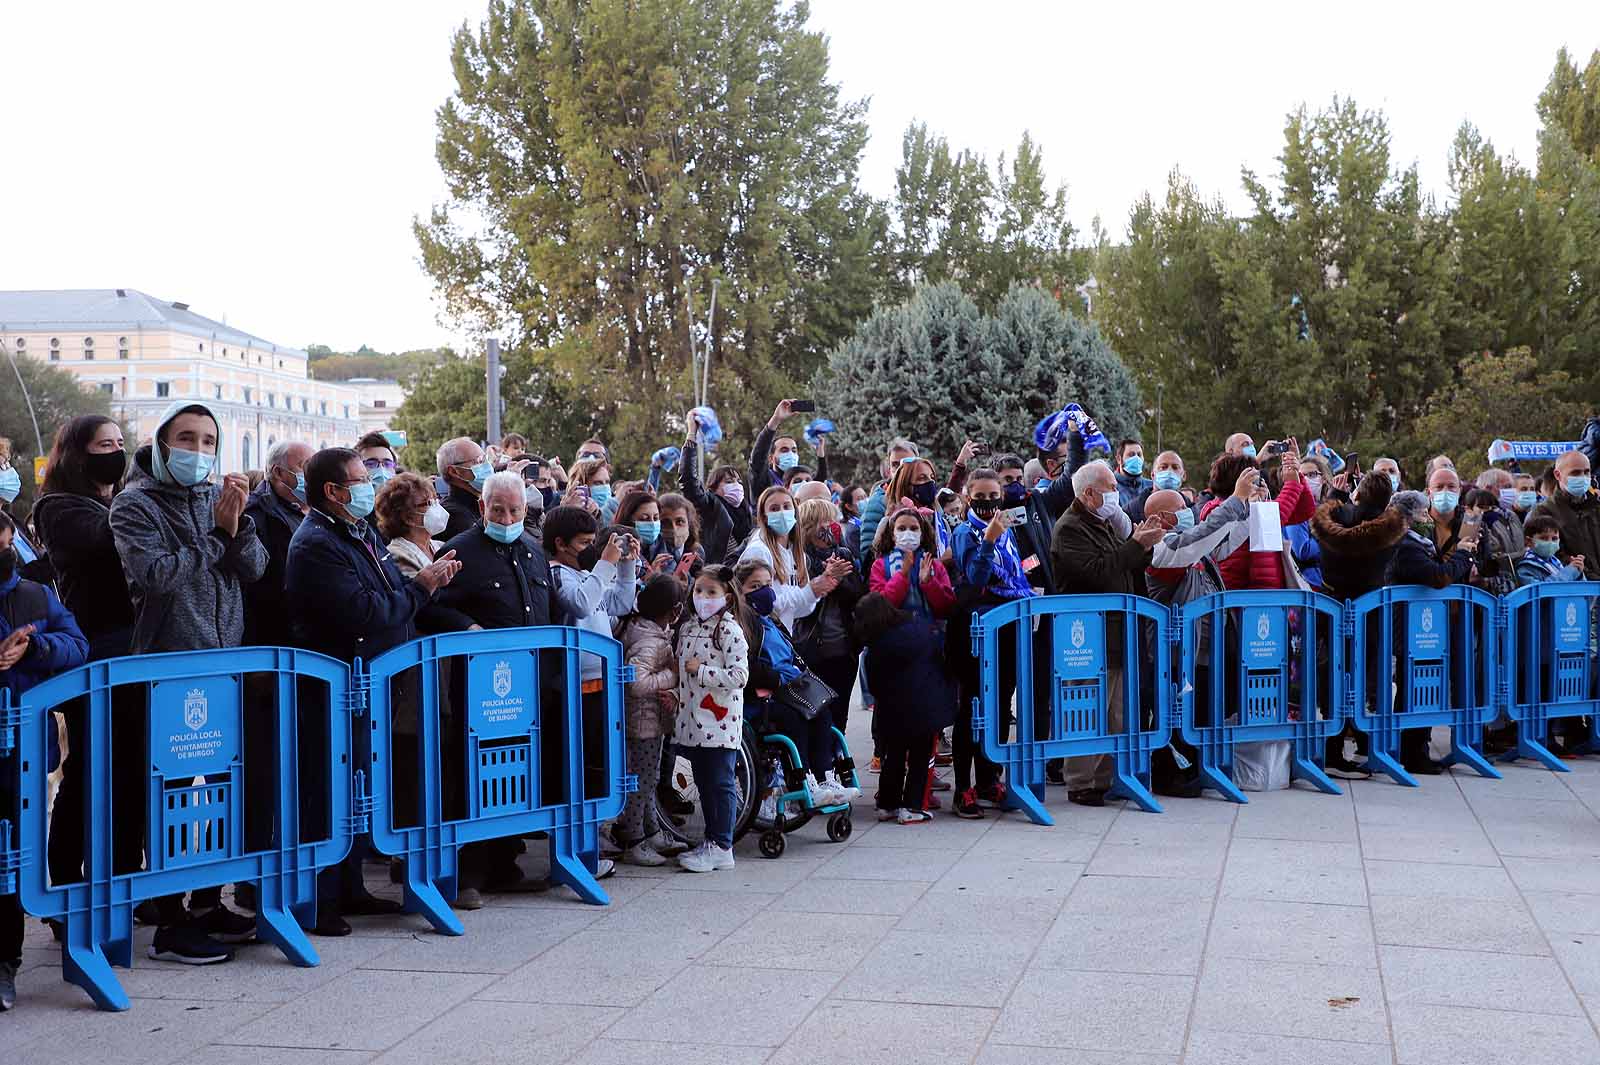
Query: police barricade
{"points": [[1262, 666], [529, 751], [1547, 636], [1424, 657], [196, 708], [1104, 665]]}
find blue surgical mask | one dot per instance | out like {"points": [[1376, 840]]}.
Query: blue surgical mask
{"points": [[1578, 485], [1546, 548], [1445, 502], [788, 460], [780, 521], [1185, 518], [648, 531], [600, 493], [299, 489], [189, 468], [1168, 480], [1133, 464], [1394, 482], [1527, 500], [1248, 451], [480, 473], [10, 484], [362, 495], [1043, 484], [503, 534], [380, 474]]}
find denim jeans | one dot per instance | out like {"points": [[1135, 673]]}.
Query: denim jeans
{"points": [[713, 776]]}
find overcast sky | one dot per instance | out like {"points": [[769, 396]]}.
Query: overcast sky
{"points": [[263, 162]]}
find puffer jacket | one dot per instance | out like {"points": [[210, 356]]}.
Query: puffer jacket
{"points": [[1356, 553], [1580, 527], [655, 669], [185, 576], [1264, 569]]}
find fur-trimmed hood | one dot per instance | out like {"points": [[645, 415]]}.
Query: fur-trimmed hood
{"points": [[1364, 538]]}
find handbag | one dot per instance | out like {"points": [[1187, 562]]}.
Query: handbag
{"points": [[808, 694]]}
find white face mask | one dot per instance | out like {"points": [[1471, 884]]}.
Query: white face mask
{"points": [[1315, 484], [1110, 506], [908, 540], [706, 605], [435, 519]]}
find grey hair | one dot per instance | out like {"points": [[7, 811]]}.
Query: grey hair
{"points": [[280, 451], [504, 481], [1494, 477], [1088, 474], [900, 443], [451, 452], [1413, 504]]}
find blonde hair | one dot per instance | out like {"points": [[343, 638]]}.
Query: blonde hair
{"points": [[812, 515], [788, 563]]}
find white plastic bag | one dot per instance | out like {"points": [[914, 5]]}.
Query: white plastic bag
{"points": [[1266, 530], [1261, 766]]}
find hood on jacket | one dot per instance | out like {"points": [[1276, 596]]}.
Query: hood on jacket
{"points": [[155, 462], [1337, 528]]}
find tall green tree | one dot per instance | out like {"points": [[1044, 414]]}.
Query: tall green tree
{"points": [[607, 160], [1493, 396], [57, 397], [1571, 103]]}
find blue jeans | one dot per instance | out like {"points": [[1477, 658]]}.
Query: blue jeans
{"points": [[719, 799]]}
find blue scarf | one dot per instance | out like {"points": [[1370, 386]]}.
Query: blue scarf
{"points": [[1008, 580], [1551, 566], [893, 563]]}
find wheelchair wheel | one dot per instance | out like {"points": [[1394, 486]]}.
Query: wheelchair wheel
{"points": [[692, 828], [839, 827], [772, 843]]}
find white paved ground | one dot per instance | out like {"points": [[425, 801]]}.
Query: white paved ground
{"points": [[1454, 924]]}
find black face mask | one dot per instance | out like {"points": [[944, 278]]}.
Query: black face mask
{"points": [[107, 467], [923, 495], [8, 564], [1015, 492], [984, 508], [589, 556]]}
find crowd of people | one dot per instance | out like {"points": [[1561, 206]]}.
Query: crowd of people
{"points": [[752, 581]]}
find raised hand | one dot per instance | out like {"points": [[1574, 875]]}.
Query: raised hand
{"points": [[438, 573]]}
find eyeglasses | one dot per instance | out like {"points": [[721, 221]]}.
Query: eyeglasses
{"points": [[378, 464]]}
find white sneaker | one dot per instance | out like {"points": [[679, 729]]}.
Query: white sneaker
{"points": [[819, 794], [888, 815], [848, 792], [705, 858], [913, 817], [721, 857], [666, 846], [643, 854]]}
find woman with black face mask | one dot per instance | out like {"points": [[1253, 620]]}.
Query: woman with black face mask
{"points": [[915, 481]]}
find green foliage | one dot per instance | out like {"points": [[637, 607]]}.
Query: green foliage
{"points": [[1494, 396], [937, 370], [1571, 103], [57, 399], [329, 365]]}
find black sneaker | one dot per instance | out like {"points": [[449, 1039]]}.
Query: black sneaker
{"points": [[8, 986], [1087, 797], [1055, 772], [966, 805], [1345, 769], [188, 946], [223, 925], [1425, 768]]}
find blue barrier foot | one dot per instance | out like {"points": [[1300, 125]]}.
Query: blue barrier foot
{"points": [[568, 867], [1217, 780], [1469, 756], [277, 926], [1021, 797], [85, 964], [422, 896], [1387, 764], [1306, 769], [1128, 786], [1537, 751]]}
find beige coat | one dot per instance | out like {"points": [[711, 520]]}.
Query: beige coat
{"points": [[649, 651]]}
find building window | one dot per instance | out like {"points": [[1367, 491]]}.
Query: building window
{"points": [[219, 391], [22, 342], [224, 353], [380, 403], [244, 451], [55, 349], [347, 411], [88, 342], [107, 387], [271, 443], [247, 395], [272, 400], [163, 389], [305, 405], [122, 342], [200, 347], [323, 405], [122, 352]]}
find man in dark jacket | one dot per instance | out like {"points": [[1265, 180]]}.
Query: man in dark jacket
{"points": [[1044, 507], [464, 469], [347, 599], [1576, 508], [1091, 555], [276, 507], [1131, 482]]}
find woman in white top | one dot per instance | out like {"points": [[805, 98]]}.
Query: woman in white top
{"points": [[775, 543], [409, 517]]}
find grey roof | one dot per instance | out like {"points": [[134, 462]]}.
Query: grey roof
{"points": [[90, 309]]}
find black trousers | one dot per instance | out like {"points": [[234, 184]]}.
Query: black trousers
{"points": [[904, 780], [840, 675], [967, 753], [813, 737]]}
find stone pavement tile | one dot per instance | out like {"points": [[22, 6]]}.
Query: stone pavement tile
{"points": [[1295, 871], [1210, 809], [1579, 956], [622, 891], [258, 973], [944, 832], [879, 1032], [216, 1054], [1378, 802], [955, 969], [1298, 814], [1132, 925], [724, 1005], [1519, 780], [1002, 1054], [967, 912], [1243, 1048], [752, 874], [625, 1051], [1156, 829], [504, 1033], [1458, 924], [828, 942], [889, 863], [1292, 932], [363, 1010], [1565, 911], [1334, 1002], [1581, 875], [499, 939], [1422, 840], [1541, 829], [1445, 1035], [618, 968], [820, 895], [1420, 976], [1122, 1012], [1148, 846], [58, 1025], [1052, 843], [1009, 876], [669, 908], [1428, 880]]}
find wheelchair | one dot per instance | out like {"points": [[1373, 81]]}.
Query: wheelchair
{"points": [[760, 752]]}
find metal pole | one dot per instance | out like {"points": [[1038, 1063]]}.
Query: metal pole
{"points": [[492, 370], [38, 440]]}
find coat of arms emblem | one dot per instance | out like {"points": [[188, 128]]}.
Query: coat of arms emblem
{"points": [[1263, 627], [502, 679], [1077, 632], [194, 708], [1427, 619]]}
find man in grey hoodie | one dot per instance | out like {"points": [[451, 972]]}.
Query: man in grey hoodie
{"points": [[187, 549]]}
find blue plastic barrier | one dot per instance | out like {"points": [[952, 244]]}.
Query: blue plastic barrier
{"points": [[1271, 686], [1084, 667], [1547, 646], [197, 702], [1444, 644], [504, 716]]}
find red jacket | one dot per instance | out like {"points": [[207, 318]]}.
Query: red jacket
{"points": [[1264, 569], [938, 593]]}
